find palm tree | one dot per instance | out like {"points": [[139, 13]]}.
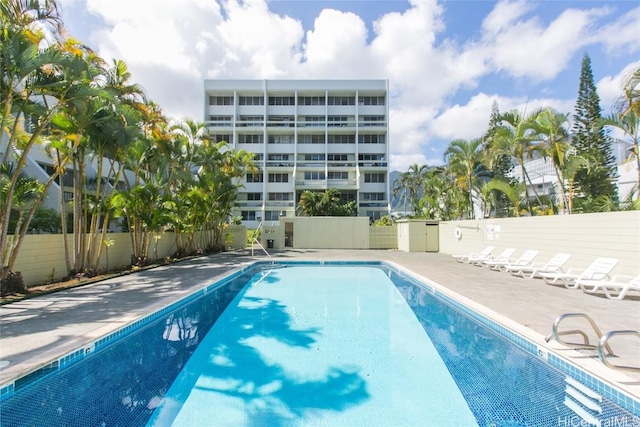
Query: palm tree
{"points": [[410, 186], [39, 78], [513, 192], [572, 164], [309, 203], [629, 102], [516, 136], [464, 160], [550, 126], [324, 203], [440, 196]]}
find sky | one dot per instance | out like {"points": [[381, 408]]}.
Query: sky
{"points": [[446, 61]]}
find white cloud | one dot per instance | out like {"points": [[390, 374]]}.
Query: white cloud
{"points": [[337, 46], [610, 87], [524, 47], [621, 36], [171, 46]]}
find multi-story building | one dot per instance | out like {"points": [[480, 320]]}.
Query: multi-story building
{"points": [[306, 135]]}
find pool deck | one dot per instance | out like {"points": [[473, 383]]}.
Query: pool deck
{"points": [[36, 331]]}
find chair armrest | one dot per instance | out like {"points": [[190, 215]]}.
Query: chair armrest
{"points": [[622, 278]]}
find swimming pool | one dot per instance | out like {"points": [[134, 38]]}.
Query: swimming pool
{"points": [[326, 345]]}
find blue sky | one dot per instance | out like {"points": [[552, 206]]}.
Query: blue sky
{"points": [[446, 61]]}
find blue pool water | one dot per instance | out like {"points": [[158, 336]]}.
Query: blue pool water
{"points": [[306, 345]]}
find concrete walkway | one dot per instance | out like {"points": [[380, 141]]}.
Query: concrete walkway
{"points": [[36, 331]]}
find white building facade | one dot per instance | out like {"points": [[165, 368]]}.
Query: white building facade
{"points": [[305, 135]]}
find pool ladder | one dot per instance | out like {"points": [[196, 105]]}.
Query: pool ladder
{"points": [[602, 347]]}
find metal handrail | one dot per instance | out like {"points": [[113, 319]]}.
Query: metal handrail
{"points": [[585, 345], [255, 240], [603, 343]]}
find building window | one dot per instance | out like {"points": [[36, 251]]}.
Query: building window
{"points": [[222, 137], [342, 139], [365, 157], [311, 100], [342, 100], [281, 139], [250, 139], [254, 177], [220, 120], [221, 100], [280, 196], [248, 215], [338, 175], [250, 121], [281, 121], [314, 157], [314, 121], [278, 157], [310, 139], [376, 215], [371, 139], [337, 157], [250, 100], [347, 197], [278, 177], [271, 215], [371, 100], [373, 120], [254, 196], [372, 196], [68, 196], [314, 176], [374, 177], [337, 121], [282, 100]]}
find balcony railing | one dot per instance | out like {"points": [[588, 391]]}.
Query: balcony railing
{"points": [[280, 123], [219, 124], [342, 182], [279, 163], [372, 124], [370, 164], [373, 204], [249, 203], [310, 124], [283, 203], [341, 164], [316, 183], [311, 164], [243, 124]]}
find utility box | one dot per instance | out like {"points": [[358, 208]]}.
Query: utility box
{"points": [[418, 235]]}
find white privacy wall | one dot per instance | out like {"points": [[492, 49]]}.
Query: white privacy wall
{"points": [[585, 236]]}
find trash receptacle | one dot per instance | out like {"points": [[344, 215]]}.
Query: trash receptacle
{"points": [[269, 243]]}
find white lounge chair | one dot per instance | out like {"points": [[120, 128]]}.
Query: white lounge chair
{"points": [[554, 265], [501, 265], [504, 256], [475, 255], [616, 288], [598, 270]]}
